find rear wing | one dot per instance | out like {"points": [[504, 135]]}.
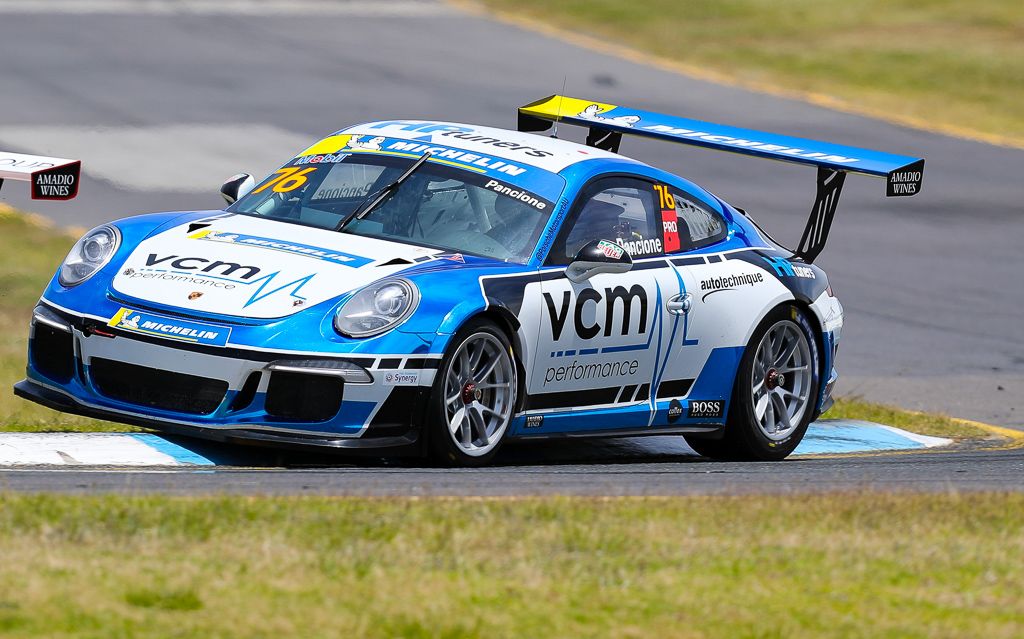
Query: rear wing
{"points": [[51, 178], [608, 122]]}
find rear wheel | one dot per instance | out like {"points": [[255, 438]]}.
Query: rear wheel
{"points": [[474, 396], [774, 396]]}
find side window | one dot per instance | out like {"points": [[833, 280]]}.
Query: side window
{"points": [[695, 225], [618, 209]]}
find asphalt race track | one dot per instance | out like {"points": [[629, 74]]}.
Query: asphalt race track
{"points": [[163, 101], [564, 469]]}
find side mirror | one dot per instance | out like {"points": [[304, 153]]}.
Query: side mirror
{"points": [[599, 256], [237, 186]]}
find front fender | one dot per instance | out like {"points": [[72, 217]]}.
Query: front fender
{"points": [[450, 297], [445, 326], [459, 315]]}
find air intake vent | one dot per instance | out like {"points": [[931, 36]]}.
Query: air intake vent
{"points": [[157, 388], [52, 352], [304, 398]]}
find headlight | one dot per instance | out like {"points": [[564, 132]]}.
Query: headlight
{"points": [[377, 308], [89, 254]]}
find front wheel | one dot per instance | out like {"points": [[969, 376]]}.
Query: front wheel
{"points": [[775, 393], [473, 397]]}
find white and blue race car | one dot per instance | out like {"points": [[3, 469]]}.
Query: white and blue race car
{"points": [[419, 287]]}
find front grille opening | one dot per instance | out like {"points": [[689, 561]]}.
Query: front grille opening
{"points": [[304, 397], [248, 393], [157, 388], [52, 353]]}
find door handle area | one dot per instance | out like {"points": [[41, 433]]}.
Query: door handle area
{"points": [[679, 304]]}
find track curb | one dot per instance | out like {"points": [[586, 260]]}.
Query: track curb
{"points": [[827, 438], [1014, 440], [1016, 437]]}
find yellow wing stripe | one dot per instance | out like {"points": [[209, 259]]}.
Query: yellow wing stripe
{"points": [[558, 106]]}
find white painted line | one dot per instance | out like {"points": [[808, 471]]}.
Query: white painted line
{"points": [[179, 158], [349, 8], [79, 449], [926, 440], [832, 436]]}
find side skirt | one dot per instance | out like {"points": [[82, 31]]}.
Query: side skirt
{"points": [[710, 431]]}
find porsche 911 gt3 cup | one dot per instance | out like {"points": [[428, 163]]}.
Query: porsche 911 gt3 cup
{"points": [[416, 287]]}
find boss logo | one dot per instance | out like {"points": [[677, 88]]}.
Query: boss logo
{"points": [[706, 408]]}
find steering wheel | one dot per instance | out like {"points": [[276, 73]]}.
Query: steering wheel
{"points": [[285, 206]]}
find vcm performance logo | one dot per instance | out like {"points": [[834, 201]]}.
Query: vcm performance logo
{"points": [[194, 270], [127, 319], [626, 299]]}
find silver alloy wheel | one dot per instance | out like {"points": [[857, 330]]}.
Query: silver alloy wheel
{"points": [[479, 393], [781, 380]]}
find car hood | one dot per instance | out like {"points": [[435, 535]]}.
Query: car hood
{"points": [[245, 266]]}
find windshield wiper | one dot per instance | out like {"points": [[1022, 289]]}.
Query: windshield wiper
{"points": [[376, 199]]}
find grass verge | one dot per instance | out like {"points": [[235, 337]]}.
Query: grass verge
{"points": [[920, 423], [30, 249], [946, 64], [841, 565]]}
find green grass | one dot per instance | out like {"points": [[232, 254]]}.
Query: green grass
{"points": [[846, 565], [937, 61], [30, 250]]}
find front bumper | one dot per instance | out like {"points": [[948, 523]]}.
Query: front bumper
{"points": [[410, 443], [81, 365]]}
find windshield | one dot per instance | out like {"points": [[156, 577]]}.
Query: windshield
{"points": [[438, 206]]}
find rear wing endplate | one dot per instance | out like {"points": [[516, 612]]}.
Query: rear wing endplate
{"points": [[608, 122], [51, 178]]}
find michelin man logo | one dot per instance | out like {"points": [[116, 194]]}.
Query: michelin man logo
{"points": [[373, 144], [593, 113], [130, 322], [217, 236]]}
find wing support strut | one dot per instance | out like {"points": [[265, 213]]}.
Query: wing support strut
{"points": [[604, 139], [830, 186]]}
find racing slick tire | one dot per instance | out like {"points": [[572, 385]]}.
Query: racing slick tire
{"points": [[775, 393], [474, 396]]}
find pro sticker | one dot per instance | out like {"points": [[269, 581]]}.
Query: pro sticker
{"points": [[670, 231]]}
